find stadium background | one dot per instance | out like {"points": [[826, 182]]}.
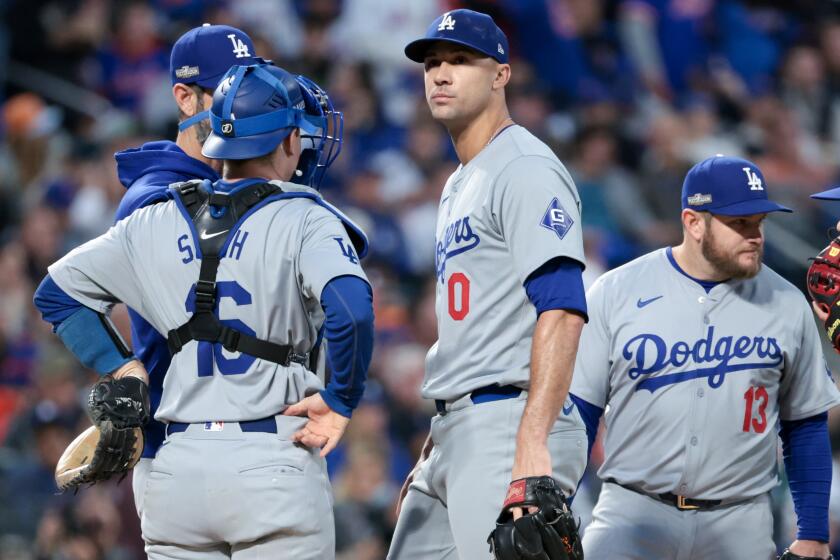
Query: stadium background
{"points": [[628, 93]]}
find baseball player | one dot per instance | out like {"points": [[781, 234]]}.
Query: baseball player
{"points": [[510, 305], [199, 59], [241, 276], [696, 352]]}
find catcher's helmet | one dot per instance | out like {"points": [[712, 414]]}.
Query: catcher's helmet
{"points": [[254, 109], [319, 149]]}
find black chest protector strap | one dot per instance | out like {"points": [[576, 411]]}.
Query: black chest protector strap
{"points": [[214, 215]]}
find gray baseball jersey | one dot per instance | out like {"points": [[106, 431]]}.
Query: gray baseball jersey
{"points": [[695, 382], [269, 285], [505, 213]]}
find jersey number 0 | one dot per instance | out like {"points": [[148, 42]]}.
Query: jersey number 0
{"points": [[458, 296]]}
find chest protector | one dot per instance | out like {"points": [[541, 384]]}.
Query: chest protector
{"points": [[214, 216]]}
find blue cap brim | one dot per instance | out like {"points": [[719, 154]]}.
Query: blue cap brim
{"points": [[221, 147], [416, 50], [830, 194], [749, 208]]}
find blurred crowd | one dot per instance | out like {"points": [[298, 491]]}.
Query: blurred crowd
{"points": [[629, 94]]}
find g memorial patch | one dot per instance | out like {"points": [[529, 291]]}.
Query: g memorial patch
{"points": [[557, 219]]}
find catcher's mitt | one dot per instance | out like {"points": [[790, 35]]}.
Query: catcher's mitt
{"points": [[124, 402], [788, 555], [119, 408], [824, 288], [550, 533], [97, 454]]}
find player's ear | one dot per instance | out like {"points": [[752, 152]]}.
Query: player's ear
{"points": [[291, 144], [502, 76], [694, 226], [186, 99]]}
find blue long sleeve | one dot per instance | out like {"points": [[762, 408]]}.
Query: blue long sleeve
{"points": [[86, 333], [348, 329], [807, 455]]}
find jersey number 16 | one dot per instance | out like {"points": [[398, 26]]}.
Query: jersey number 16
{"points": [[208, 352]]}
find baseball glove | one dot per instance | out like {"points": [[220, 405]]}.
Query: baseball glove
{"points": [[550, 533], [119, 408], [824, 288], [788, 555]]}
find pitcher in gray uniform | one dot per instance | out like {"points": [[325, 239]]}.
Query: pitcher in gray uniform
{"points": [[510, 305], [700, 356], [240, 276]]}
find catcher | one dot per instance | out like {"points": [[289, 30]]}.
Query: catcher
{"points": [[245, 275]]}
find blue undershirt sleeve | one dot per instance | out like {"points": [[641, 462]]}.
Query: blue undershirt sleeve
{"points": [[54, 303], [807, 454], [348, 329], [591, 416], [558, 284], [85, 332]]}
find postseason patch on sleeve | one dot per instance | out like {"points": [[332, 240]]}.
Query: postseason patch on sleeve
{"points": [[557, 219]]}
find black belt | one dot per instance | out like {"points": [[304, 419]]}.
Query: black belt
{"points": [[679, 502], [267, 425], [485, 394]]}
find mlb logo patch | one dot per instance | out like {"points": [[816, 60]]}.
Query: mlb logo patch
{"points": [[214, 426], [557, 219]]}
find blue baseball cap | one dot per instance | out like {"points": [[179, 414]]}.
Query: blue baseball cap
{"points": [[727, 186], [254, 109], [829, 194], [463, 27], [204, 54]]}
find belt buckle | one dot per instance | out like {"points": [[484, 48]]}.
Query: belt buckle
{"points": [[682, 506]]}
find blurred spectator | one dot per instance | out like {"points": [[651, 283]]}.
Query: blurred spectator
{"points": [[573, 48], [619, 221], [667, 42], [664, 165], [56, 36], [133, 61], [27, 485], [32, 153]]}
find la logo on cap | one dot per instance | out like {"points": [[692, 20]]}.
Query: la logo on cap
{"points": [[447, 24], [753, 180], [240, 49]]}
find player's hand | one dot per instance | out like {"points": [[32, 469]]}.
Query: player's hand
{"points": [[134, 368], [325, 427], [531, 459], [813, 549]]}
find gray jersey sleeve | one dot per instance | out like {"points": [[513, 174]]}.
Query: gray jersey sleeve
{"points": [[536, 209], [100, 273], [591, 378], [326, 253], [806, 386]]}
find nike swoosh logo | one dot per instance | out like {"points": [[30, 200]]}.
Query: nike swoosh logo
{"points": [[212, 235], [567, 411], [641, 303]]}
